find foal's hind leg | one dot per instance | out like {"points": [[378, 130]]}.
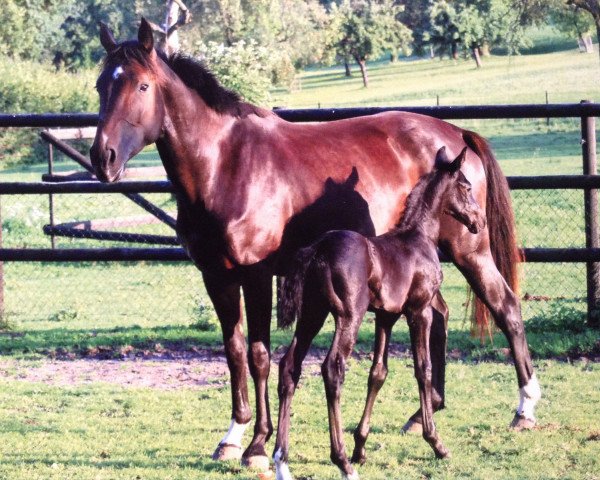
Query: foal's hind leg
{"points": [[333, 371], [290, 368], [483, 276], [383, 328], [419, 323], [438, 342]]}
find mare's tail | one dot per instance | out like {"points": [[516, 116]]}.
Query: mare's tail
{"points": [[293, 287], [500, 223]]}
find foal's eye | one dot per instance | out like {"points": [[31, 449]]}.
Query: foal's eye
{"points": [[143, 87]]}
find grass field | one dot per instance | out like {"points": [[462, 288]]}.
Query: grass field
{"points": [[75, 310]]}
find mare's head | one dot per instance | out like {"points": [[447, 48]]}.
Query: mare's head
{"points": [[131, 103], [457, 197]]}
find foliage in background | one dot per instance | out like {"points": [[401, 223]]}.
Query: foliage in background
{"points": [[30, 87]]}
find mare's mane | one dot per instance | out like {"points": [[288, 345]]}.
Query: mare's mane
{"points": [[194, 74]]}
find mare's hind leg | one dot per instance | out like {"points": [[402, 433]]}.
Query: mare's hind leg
{"points": [[257, 285], [483, 276], [290, 368], [438, 342], [224, 292], [419, 323], [384, 323]]}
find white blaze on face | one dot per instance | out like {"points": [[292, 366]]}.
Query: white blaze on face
{"points": [[118, 72], [234, 434], [528, 397]]}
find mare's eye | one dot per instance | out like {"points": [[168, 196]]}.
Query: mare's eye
{"points": [[143, 87]]}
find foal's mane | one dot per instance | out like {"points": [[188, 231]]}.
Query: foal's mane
{"points": [[194, 74], [421, 200]]}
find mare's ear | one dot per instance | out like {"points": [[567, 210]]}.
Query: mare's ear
{"points": [[106, 38], [145, 37], [458, 161]]}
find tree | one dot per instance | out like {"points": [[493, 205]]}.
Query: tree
{"points": [[444, 31], [593, 8], [363, 29], [574, 21]]}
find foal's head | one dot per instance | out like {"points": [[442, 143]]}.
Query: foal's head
{"points": [[131, 102], [455, 191]]}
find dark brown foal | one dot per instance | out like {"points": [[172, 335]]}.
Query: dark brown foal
{"points": [[345, 273]]}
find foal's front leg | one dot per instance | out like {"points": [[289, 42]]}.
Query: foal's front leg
{"points": [[419, 323]]}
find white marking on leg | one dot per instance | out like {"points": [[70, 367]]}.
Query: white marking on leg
{"points": [[282, 469], [352, 476], [234, 434], [528, 397], [118, 72]]}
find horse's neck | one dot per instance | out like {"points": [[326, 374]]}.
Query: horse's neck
{"points": [[189, 146], [424, 220]]}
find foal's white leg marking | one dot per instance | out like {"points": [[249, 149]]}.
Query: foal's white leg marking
{"points": [[352, 476], [529, 396], [118, 72], [282, 469], [234, 434]]}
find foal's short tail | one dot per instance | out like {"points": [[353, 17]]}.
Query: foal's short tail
{"points": [[293, 287], [500, 222]]}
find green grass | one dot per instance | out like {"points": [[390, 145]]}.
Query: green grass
{"points": [[107, 432]]}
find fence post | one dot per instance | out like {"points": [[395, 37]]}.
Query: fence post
{"points": [[590, 167]]}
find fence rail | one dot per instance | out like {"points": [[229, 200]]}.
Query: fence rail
{"points": [[589, 183]]}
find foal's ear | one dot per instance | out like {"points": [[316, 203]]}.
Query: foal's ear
{"points": [[441, 158], [106, 38], [145, 37], [458, 161]]}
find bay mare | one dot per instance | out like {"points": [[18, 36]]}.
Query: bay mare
{"points": [[252, 188]]}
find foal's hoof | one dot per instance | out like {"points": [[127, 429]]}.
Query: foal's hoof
{"points": [[443, 453], [226, 452], [412, 427], [259, 463], [520, 423]]}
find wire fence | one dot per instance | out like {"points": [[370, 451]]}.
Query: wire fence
{"points": [[90, 296]]}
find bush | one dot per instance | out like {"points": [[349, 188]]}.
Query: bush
{"points": [[29, 87], [244, 68]]}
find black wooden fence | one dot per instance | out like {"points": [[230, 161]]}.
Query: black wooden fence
{"points": [[589, 182]]}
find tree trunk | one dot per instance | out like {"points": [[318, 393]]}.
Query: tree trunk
{"points": [[454, 51], [362, 63], [171, 38], [476, 56], [597, 21], [347, 67], [484, 50]]}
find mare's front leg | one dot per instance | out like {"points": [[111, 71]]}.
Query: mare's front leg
{"points": [[438, 341], [384, 323], [257, 285], [224, 291], [485, 279], [419, 323]]}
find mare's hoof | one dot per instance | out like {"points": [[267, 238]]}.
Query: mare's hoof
{"points": [[268, 475], [521, 423], [351, 476], [412, 427], [257, 462], [226, 452]]}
